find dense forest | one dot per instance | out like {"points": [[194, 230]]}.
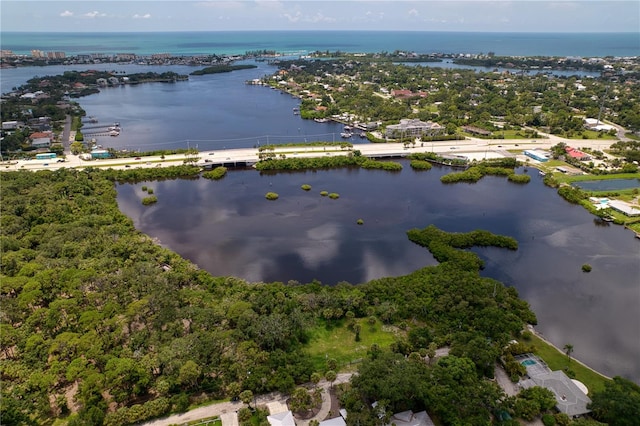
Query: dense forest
{"points": [[100, 325], [96, 317]]}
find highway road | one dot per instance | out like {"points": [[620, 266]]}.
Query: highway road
{"points": [[472, 148]]}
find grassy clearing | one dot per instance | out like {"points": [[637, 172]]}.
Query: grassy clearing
{"points": [[557, 360], [569, 179], [336, 341]]}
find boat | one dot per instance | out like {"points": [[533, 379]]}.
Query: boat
{"points": [[346, 135], [347, 128], [541, 173], [114, 133], [607, 219], [321, 120]]}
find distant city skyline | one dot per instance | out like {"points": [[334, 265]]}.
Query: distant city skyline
{"points": [[242, 15]]}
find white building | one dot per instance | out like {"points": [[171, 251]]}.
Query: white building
{"points": [[412, 127]]}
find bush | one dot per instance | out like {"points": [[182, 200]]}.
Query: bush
{"points": [[215, 174], [271, 196], [334, 195], [306, 187], [586, 268], [149, 191], [519, 178], [149, 200], [548, 420], [420, 165], [324, 193], [144, 188], [360, 222]]}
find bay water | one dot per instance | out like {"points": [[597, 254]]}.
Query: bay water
{"points": [[228, 228]]}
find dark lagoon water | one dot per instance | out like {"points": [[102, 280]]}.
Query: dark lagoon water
{"points": [[228, 228], [608, 185]]}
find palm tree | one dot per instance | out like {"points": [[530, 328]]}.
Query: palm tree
{"points": [[568, 349]]}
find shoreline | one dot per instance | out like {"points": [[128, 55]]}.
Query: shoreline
{"points": [[544, 339]]}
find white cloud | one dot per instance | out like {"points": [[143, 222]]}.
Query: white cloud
{"points": [[66, 13], [145, 16], [293, 18], [414, 13], [94, 14]]}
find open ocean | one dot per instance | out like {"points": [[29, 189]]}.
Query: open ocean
{"points": [[297, 42]]}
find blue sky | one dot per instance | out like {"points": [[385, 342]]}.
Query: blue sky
{"points": [[410, 15]]}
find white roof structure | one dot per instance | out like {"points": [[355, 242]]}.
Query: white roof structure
{"points": [[336, 421], [570, 399], [623, 207], [282, 419], [409, 418]]}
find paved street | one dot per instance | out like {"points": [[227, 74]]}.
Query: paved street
{"points": [[227, 411], [471, 147]]}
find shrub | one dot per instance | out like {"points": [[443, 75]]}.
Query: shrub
{"points": [[324, 193], [420, 165], [149, 200], [215, 174], [306, 187], [271, 196], [334, 195], [149, 191], [519, 178], [360, 222], [144, 188], [586, 268]]}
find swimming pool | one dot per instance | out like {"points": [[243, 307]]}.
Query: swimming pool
{"points": [[527, 362]]}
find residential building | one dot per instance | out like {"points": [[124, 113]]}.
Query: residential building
{"points": [[577, 154], [412, 127], [41, 139]]}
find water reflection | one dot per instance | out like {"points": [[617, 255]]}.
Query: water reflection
{"points": [[228, 228]]}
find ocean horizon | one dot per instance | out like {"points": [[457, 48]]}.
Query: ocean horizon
{"points": [[193, 43]]}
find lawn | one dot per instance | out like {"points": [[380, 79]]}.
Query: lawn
{"points": [[557, 360], [335, 340]]}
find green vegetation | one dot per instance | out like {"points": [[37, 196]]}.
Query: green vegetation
{"points": [[335, 339], [306, 187], [558, 360], [420, 165], [271, 196], [618, 404], [93, 309], [334, 195], [215, 174], [149, 200], [444, 245], [222, 68], [324, 193], [499, 167], [515, 178], [336, 161], [360, 222], [586, 268]]}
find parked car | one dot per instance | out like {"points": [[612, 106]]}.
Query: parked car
{"points": [[138, 158]]}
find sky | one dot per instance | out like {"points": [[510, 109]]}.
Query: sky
{"points": [[408, 15]]}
